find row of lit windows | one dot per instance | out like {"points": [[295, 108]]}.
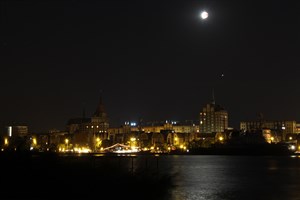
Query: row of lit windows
{"points": [[93, 127]]}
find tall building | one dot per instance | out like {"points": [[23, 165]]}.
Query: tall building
{"points": [[100, 121], [213, 118], [90, 131]]}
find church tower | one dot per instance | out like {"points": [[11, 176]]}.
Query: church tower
{"points": [[100, 121]]}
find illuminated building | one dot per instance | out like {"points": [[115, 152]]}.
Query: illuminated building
{"points": [[213, 119], [279, 129], [88, 131], [16, 130], [157, 134]]}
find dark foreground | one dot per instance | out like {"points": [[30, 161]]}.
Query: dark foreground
{"points": [[163, 177], [245, 150], [53, 176]]}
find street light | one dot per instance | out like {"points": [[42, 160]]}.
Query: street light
{"points": [[67, 142], [98, 143], [221, 138], [175, 140], [132, 143]]}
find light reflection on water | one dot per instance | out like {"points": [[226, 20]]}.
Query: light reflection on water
{"points": [[199, 177], [213, 177], [233, 177]]}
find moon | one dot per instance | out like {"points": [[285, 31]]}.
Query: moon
{"points": [[204, 15]]}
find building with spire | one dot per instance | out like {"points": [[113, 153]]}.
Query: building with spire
{"points": [[213, 118], [90, 132], [100, 121]]}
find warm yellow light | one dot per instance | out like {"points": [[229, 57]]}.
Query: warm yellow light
{"points": [[169, 148], [132, 139], [175, 138], [221, 138], [290, 138], [66, 141], [6, 141], [152, 148], [98, 139], [181, 146], [34, 141], [272, 138]]}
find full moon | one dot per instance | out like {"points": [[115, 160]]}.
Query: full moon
{"points": [[204, 15]]}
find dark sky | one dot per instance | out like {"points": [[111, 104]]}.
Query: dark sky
{"points": [[154, 60]]}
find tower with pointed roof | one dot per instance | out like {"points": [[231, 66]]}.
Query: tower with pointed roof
{"points": [[91, 131], [100, 120]]}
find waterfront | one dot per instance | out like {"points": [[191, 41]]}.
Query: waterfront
{"points": [[209, 177], [236, 177]]}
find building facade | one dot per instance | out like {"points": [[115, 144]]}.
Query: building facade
{"points": [[160, 135], [16, 131], [213, 119], [90, 132], [278, 129]]}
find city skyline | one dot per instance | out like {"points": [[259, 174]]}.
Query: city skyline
{"points": [[143, 121], [149, 59]]}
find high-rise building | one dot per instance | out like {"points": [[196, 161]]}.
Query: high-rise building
{"points": [[213, 119]]}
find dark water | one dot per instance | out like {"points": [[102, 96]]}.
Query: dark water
{"points": [[189, 177], [234, 177]]}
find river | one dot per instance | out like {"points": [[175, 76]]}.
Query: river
{"points": [[234, 177], [192, 177]]}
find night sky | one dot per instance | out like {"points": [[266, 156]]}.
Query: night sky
{"points": [[155, 60]]}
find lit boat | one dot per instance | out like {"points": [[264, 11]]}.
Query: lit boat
{"points": [[121, 148]]}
